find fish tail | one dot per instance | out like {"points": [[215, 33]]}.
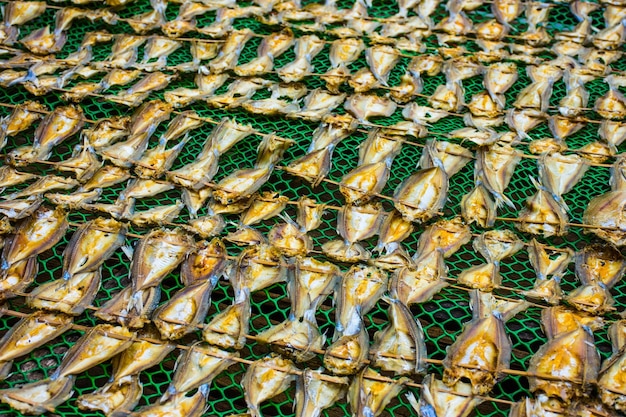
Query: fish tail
{"points": [[170, 392], [136, 302], [502, 199], [5, 369]]}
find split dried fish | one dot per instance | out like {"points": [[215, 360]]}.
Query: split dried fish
{"points": [[36, 235], [179, 405], [265, 379], [549, 267], [421, 196], [316, 391], [31, 332], [91, 245], [228, 329], [185, 310], [56, 127], [570, 356], [39, 397], [71, 296], [401, 346], [441, 400], [368, 396], [483, 350], [197, 366], [271, 47], [97, 345], [114, 397], [542, 214], [343, 52], [22, 117]]}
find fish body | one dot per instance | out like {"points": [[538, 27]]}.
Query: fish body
{"points": [[265, 379], [179, 405], [97, 345], [228, 329], [91, 245], [421, 196], [316, 392], [70, 296], [22, 118], [114, 397], [18, 277], [197, 366], [182, 313], [443, 401], [368, 395], [157, 254], [140, 355], [56, 127], [306, 48], [31, 332], [38, 234], [400, 347], [39, 397]]}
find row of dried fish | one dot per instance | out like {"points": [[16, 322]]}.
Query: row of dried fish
{"points": [[355, 22], [545, 212]]}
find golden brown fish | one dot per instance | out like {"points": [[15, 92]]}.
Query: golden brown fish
{"points": [[316, 391], [37, 234], [56, 127], [438, 399], [71, 296], [265, 379], [483, 350], [400, 347], [31, 332], [114, 397], [39, 397], [97, 345], [197, 366], [368, 395]]}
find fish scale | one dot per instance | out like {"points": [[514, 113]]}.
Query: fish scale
{"points": [[441, 315]]}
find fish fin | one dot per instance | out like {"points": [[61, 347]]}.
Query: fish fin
{"points": [[128, 251]]}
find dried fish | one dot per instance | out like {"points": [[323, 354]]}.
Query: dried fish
{"points": [[39, 397], [542, 214], [185, 309], [70, 296], [179, 405], [400, 347], [37, 234], [442, 400], [366, 106], [271, 47], [231, 49], [342, 53], [265, 379], [549, 271], [31, 332], [91, 245], [18, 277], [197, 366], [56, 127], [368, 396], [228, 329], [23, 115], [98, 344], [421, 196], [114, 397], [571, 357], [483, 350], [316, 392]]}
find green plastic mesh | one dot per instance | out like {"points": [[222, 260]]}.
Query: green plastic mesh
{"points": [[442, 318]]}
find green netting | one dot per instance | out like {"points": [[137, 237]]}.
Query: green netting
{"points": [[442, 318]]}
